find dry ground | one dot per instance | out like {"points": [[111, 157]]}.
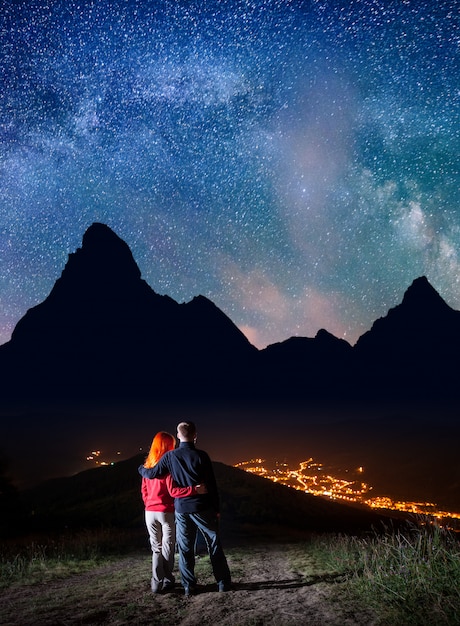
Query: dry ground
{"points": [[267, 589]]}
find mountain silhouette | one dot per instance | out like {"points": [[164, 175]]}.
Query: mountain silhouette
{"points": [[104, 333], [306, 367], [414, 327], [414, 349]]}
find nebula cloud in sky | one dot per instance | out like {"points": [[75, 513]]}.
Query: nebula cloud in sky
{"points": [[295, 162]]}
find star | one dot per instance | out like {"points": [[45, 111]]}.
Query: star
{"points": [[296, 163]]}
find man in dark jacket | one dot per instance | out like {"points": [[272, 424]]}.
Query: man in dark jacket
{"points": [[189, 466]]}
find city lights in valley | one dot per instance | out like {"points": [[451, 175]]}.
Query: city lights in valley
{"points": [[313, 478]]}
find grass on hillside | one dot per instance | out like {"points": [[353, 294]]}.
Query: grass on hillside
{"points": [[405, 577], [29, 561]]}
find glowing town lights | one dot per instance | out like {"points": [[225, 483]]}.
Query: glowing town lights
{"points": [[96, 457], [311, 478]]}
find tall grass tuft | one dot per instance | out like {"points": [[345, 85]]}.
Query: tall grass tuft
{"points": [[405, 577]]}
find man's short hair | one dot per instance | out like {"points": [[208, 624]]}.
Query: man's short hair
{"points": [[187, 430]]}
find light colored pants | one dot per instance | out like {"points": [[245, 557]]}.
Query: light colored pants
{"points": [[162, 534]]}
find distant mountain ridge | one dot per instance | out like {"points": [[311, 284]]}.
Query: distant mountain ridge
{"points": [[103, 332]]}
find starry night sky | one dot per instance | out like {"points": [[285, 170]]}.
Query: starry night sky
{"points": [[295, 162]]}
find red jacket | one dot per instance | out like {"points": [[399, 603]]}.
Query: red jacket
{"points": [[159, 493]]}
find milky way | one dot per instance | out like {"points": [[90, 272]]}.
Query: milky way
{"points": [[295, 162]]}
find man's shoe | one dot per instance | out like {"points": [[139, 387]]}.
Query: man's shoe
{"points": [[169, 586], [189, 591], [223, 587]]}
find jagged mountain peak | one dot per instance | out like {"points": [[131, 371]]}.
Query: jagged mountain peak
{"points": [[222, 331], [103, 254], [103, 330], [326, 338], [421, 304], [100, 236], [100, 288], [421, 295], [422, 323]]}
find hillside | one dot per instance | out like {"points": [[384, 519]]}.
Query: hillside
{"points": [[109, 496], [287, 567]]}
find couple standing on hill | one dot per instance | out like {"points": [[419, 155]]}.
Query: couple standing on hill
{"points": [[181, 480]]}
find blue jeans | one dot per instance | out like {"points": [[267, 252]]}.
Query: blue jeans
{"points": [[187, 525]]}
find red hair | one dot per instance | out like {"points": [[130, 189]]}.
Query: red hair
{"points": [[162, 442]]}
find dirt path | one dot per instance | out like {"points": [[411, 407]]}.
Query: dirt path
{"points": [[266, 591]]}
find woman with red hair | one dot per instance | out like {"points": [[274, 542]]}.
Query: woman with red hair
{"points": [[158, 495]]}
